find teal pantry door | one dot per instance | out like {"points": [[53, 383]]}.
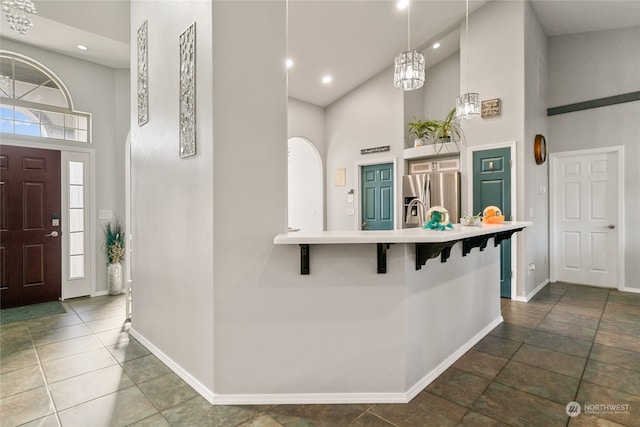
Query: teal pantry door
{"points": [[377, 196], [492, 187]]}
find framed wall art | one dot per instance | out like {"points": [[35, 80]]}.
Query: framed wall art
{"points": [[188, 91], [143, 76]]}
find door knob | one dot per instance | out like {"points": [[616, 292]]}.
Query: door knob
{"points": [[52, 234], [611, 226], [364, 224]]}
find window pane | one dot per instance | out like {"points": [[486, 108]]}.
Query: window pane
{"points": [[76, 243], [51, 118], [6, 112], [52, 132], [82, 136], [6, 126], [76, 266], [70, 134], [76, 173], [76, 220], [76, 196], [82, 123], [25, 128]]}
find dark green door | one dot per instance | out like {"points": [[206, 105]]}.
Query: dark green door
{"points": [[377, 197], [492, 187]]}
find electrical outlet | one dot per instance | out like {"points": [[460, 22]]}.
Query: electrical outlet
{"points": [[351, 211], [530, 212]]}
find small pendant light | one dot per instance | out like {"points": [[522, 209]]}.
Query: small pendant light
{"points": [[468, 104], [408, 72]]}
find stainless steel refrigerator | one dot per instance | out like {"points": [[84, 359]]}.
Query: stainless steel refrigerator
{"points": [[432, 189]]}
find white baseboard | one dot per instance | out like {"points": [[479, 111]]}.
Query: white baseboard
{"points": [[100, 293], [533, 293], [431, 376], [627, 289], [186, 376], [315, 398]]}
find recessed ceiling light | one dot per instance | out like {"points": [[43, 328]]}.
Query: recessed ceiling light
{"points": [[402, 4], [289, 63], [326, 79], [82, 47], [436, 45]]}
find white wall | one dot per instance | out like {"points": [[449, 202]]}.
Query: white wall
{"points": [[594, 65], [496, 70], [442, 87], [536, 202], [103, 92], [369, 116], [305, 186], [172, 198], [307, 120]]}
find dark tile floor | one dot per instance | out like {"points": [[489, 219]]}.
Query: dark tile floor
{"points": [[571, 343]]}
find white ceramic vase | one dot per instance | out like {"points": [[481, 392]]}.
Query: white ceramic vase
{"points": [[114, 274]]}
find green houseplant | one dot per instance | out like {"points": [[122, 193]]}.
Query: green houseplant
{"points": [[421, 129], [114, 248], [447, 130]]}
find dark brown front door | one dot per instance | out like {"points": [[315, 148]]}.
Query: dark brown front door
{"points": [[30, 250]]}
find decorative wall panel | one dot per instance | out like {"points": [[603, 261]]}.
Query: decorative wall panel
{"points": [[143, 76], [188, 91]]}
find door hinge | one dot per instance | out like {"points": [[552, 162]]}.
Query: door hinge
{"points": [[510, 163], [511, 274]]}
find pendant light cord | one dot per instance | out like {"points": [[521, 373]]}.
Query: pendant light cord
{"points": [[409, 26], [467, 52]]}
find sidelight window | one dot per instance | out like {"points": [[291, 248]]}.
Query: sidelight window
{"points": [[76, 220]]}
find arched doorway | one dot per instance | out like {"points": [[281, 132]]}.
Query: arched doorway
{"points": [[305, 188]]}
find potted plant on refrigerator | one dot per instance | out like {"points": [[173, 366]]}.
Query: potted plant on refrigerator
{"points": [[114, 247], [447, 130]]}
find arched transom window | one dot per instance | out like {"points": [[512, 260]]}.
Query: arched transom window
{"points": [[35, 103]]}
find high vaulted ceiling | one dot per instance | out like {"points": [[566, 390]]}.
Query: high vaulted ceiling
{"points": [[352, 40]]}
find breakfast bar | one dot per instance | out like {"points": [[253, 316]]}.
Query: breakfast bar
{"points": [[381, 314], [428, 243]]}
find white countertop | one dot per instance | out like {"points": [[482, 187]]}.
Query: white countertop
{"points": [[407, 235]]}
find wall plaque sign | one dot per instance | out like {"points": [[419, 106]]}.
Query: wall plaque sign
{"points": [[490, 108], [375, 149]]}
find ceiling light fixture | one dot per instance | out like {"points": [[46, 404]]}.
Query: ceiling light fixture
{"points": [[436, 45], [326, 79], [82, 47], [408, 71], [16, 12], [468, 104], [289, 63], [402, 4]]}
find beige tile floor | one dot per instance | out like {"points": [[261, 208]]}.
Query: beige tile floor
{"points": [[570, 343]]}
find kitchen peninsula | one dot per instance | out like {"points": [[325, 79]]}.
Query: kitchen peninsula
{"points": [[443, 296]]}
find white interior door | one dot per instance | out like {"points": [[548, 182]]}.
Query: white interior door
{"points": [[585, 218]]}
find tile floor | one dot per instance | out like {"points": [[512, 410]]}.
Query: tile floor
{"points": [[569, 343]]}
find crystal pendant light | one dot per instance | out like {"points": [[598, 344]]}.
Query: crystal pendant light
{"points": [[17, 14], [468, 104], [408, 72]]}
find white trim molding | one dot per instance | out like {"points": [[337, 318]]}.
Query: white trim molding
{"points": [[397, 224], [316, 398]]}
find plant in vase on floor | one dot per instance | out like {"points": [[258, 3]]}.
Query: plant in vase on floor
{"points": [[114, 248]]}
